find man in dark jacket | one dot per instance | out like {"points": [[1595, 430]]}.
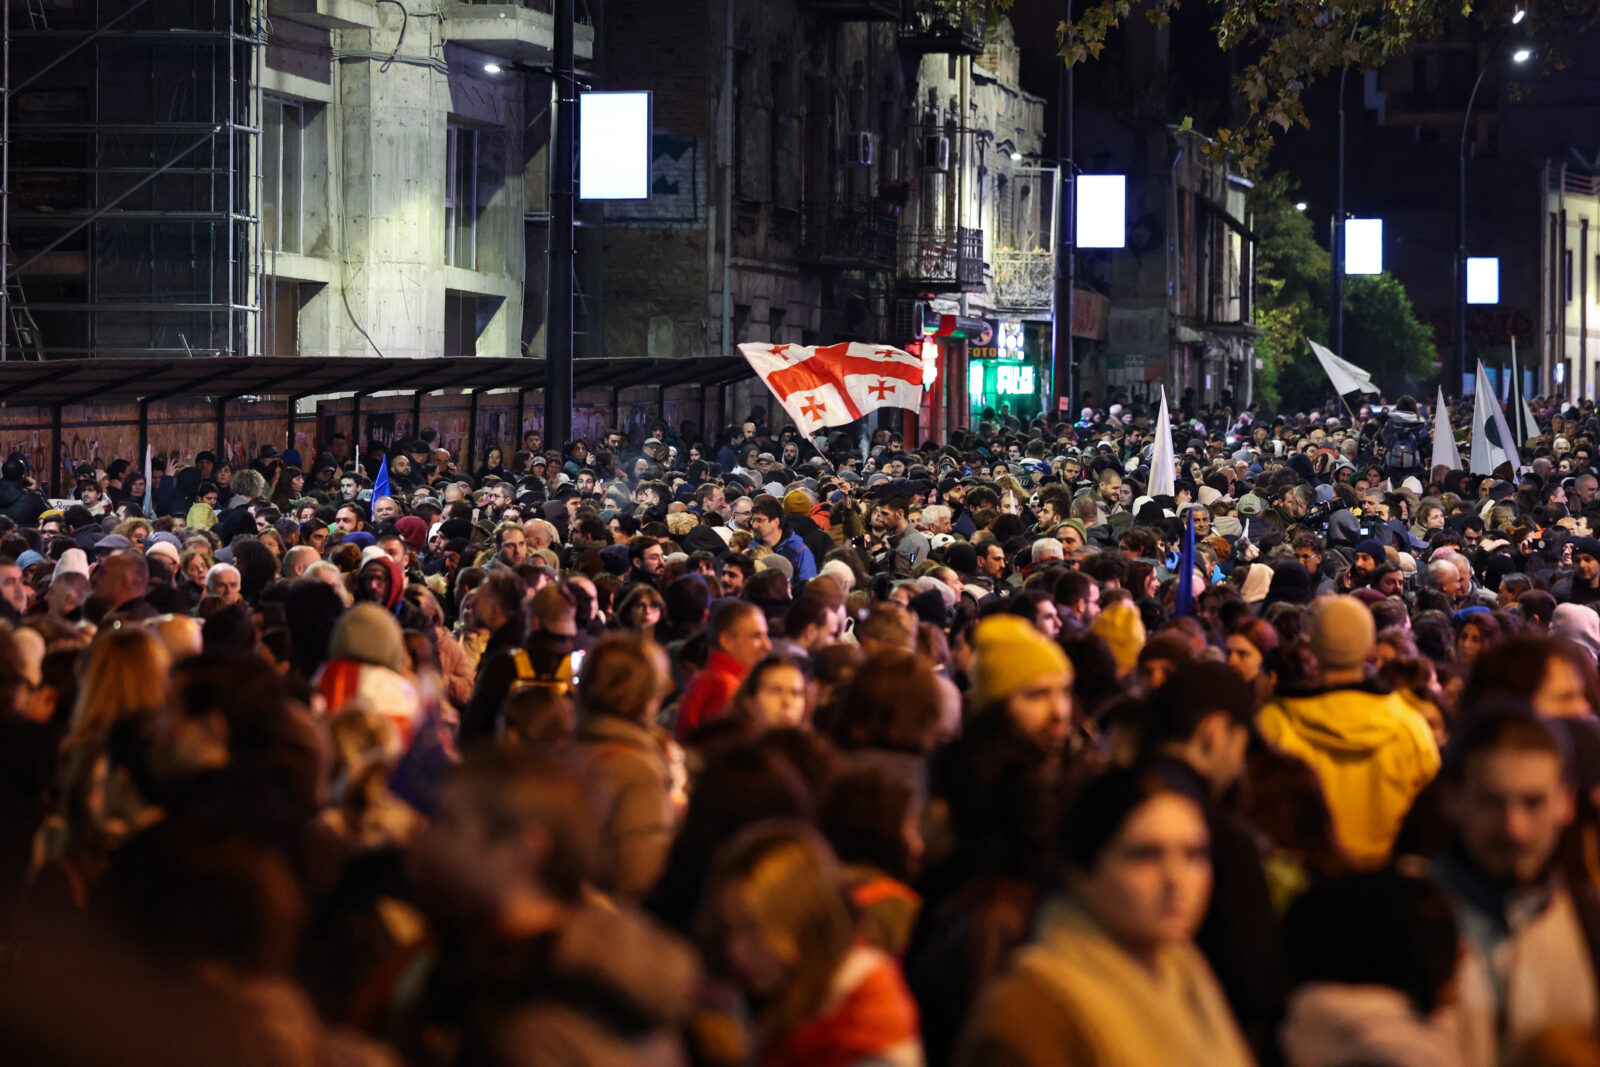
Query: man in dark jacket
{"points": [[17, 501], [1199, 730], [1404, 442], [541, 659]]}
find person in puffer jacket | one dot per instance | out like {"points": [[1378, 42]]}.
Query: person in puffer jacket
{"points": [[1372, 753]]}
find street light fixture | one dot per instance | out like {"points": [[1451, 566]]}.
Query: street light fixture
{"points": [[491, 68], [1300, 205], [1521, 13], [1521, 55]]}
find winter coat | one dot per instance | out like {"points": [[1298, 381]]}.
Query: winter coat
{"points": [[1074, 998], [1332, 1025], [611, 988], [639, 821], [868, 1017], [21, 504], [708, 693], [1526, 966], [1372, 753]]}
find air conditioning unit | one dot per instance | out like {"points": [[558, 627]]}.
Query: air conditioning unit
{"points": [[936, 153], [858, 148], [908, 319]]}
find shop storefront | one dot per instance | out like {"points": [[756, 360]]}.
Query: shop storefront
{"points": [[1008, 373]]}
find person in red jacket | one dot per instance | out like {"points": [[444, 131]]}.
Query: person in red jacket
{"points": [[739, 639]]}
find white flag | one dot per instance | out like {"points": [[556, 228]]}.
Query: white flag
{"points": [[1527, 422], [1161, 453], [1492, 443], [1345, 376], [1445, 452], [836, 384]]}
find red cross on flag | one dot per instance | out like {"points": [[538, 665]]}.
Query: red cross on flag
{"points": [[835, 384]]}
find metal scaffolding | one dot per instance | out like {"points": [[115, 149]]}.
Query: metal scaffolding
{"points": [[128, 136]]}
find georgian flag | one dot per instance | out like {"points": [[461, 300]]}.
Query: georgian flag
{"points": [[836, 384]]}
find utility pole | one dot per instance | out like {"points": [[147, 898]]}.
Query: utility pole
{"points": [[1064, 370], [1336, 237], [558, 399]]}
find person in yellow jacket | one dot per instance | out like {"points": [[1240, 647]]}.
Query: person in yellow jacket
{"points": [[1372, 751]]}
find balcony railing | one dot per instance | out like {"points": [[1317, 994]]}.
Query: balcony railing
{"points": [[848, 236], [944, 27], [1024, 281], [943, 261], [858, 10]]}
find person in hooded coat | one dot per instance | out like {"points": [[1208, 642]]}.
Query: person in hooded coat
{"points": [[381, 581]]}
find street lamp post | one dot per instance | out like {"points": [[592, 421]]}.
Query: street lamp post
{"points": [[1520, 56], [1063, 371]]}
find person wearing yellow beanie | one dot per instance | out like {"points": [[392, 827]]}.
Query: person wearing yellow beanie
{"points": [[1020, 673], [1120, 627]]}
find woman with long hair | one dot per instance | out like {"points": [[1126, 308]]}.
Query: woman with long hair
{"points": [[493, 463], [777, 920], [641, 609], [127, 670], [1112, 975]]}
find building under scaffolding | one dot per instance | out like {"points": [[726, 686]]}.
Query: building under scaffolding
{"points": [[331, 178], [129, 134]]}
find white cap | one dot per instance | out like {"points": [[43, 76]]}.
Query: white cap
{"points": [[72, 561]]}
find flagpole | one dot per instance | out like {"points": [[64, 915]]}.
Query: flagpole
{"points": [[1348, 408]]}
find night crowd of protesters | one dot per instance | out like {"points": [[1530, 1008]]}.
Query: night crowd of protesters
{"points": [[752, 749]]}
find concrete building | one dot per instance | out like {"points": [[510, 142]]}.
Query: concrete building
{"points": [[283, 177], [1005, 191], [1568, 359], [1179, 296]]}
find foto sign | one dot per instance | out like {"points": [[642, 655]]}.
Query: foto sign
{"points": [[613, 146]]}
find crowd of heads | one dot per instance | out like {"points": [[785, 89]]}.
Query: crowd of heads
{"points": [[744, 747]]}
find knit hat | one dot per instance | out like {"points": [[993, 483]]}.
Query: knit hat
{"points": [[413, 531], [1579, 624], [165, 550], [1341, 632], [1374, 548], [1008, 654], [1291, 583], [1257, 581], [72, 561], [962, 558], [795, 502], [201, 516], [1586, 546], [1122, 630], [369, 634], [1077, 524], [775, 562], [840, 571]]}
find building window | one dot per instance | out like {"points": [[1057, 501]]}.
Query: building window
{"points": [[462, 154], [283, 153]]}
